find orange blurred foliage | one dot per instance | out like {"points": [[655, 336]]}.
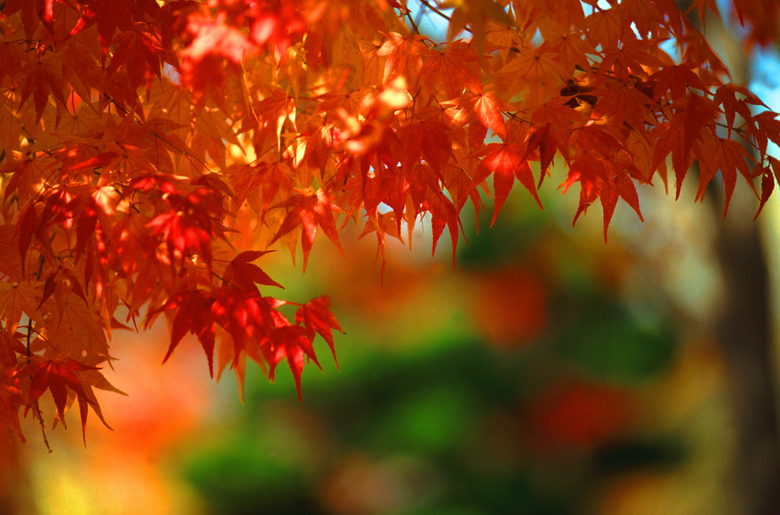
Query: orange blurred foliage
{"points": [[508, 306], [580, 415]]}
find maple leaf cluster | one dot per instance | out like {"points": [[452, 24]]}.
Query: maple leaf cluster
{"points": [[152, 152]]}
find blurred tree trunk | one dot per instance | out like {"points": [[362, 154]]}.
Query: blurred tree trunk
{"points": [[745, 326], [746, 339], [744, 329]]}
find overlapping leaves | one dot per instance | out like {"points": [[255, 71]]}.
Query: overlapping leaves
{"points": [[153, 151]]}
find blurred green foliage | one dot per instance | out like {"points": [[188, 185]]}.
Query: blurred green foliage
{"points": [[452, 424]]}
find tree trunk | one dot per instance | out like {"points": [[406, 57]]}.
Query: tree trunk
{"points": [[745, 336]]}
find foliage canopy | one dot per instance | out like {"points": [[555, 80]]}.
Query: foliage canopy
{"points": [[154, 151]]}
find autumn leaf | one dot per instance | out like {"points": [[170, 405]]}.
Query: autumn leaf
{"points": [[278, 24], [505, 162], [42, 78], [675, 81], [316, 316], [137, 52], [456, 67], [291, 343], [767, 186], [601, 179], [621, 103], [477, 16], [193, 315], [428, 140], [309, 212], [153, 152], [213, 42], [188, 225], [403, 56], [112, 15], [542, 143], [726, 156], [485, 109], [242, 273], [17, 299], [58, 376], [536, 71], [10, 403]]}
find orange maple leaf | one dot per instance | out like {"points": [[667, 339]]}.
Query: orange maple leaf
{"points": [[58, 376], [505, 162], [310, 212]]}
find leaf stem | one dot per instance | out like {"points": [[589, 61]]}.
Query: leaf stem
{"points": [[37, 413], [36, 409], [415, 29], [436, 10]]}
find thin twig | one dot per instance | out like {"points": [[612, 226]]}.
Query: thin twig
{"points": [[36, 409], [415, 29], [39, 416], [436, 10]]}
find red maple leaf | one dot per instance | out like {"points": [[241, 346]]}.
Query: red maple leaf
{"points": [[486, 109], [317, 317], [724, 155], [190, 223], [310, 212], [138, 53], [242, 273], [289, 342], [505, 162], [110, 15], [213, 43], [58, 376], [456, 67], [277, 23], [193, 315]]}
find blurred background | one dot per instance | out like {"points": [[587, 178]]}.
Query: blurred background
{"points": [[547, 372]]}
